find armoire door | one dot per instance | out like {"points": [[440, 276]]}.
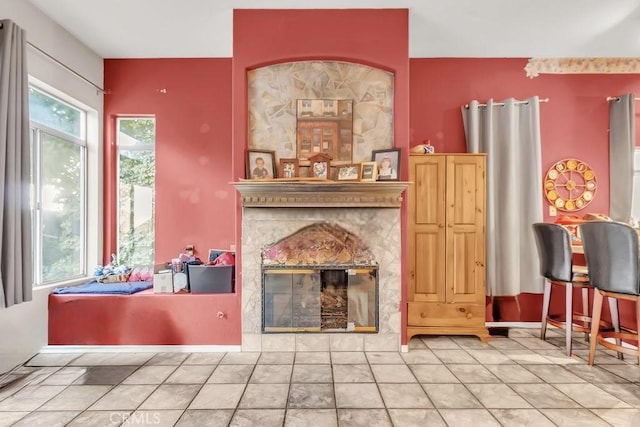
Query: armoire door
{"points": [[427, 229], [465, 230]]}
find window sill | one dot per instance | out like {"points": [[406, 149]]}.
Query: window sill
{"points": [[72, 282]]}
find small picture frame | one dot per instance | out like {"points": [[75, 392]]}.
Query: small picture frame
{"points": [[288, 168], [320, 166], [261, 164], [320, 170], [350, 172], [388, 164], [369, 171]]}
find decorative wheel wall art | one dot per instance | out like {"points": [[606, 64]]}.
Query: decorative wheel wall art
{"points": [[570, 185]]}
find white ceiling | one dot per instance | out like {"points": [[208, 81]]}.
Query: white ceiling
{"points": [[437, 28]]}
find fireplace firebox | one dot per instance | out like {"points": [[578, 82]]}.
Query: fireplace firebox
{"points": [[321, 278], [326, 299]]}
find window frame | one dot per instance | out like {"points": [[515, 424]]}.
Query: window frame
{"points": [[136, 148], [36, 130]]}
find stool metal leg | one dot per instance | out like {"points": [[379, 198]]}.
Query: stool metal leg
{"points": [[568, 323], [638, 320], [545, 308], [585, 310], [595, 323], [615, 321]]}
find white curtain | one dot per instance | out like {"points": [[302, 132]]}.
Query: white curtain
{"points": [[509, 132], [622, 141], [15, 215]]}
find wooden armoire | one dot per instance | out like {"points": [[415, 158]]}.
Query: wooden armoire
{"points": [[446, 287]]}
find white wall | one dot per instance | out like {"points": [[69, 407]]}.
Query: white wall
{"points": [[23, 327]]}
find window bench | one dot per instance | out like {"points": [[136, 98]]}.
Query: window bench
{"points": [[144, 318]]}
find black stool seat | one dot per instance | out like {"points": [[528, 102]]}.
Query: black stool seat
{"points": [[611, 251], [556, 266]]}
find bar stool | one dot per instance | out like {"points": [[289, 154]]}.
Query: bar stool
{"points": [[556, 266], [611, 251]]}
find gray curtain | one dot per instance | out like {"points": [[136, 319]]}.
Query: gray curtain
{"points": [[510, 135], [15, 221], [622, 143]]}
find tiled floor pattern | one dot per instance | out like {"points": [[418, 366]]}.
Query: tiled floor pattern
{"points": [[454, 381]]}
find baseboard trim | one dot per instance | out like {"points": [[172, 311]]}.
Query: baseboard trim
{"points": [[523, 325], [140, 349]]}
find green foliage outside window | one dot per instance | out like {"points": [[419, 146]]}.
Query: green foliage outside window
{"points": [[57, 179], [62, 210], [53, 113], [136, 181]]}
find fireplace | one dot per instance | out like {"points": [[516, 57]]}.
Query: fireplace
{"points": [[366, 212], [321, 278]]}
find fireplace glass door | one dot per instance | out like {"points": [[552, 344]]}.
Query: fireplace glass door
{"points": [[320, 300]]}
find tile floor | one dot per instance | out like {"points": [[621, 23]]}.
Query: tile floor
{"points": [[454, 381]]}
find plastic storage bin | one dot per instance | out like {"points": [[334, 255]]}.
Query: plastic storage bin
{"points": [[211, 279]]}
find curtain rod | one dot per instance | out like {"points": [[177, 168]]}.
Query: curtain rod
{"points": [[501, 104], [617, 98], [66, 67]]}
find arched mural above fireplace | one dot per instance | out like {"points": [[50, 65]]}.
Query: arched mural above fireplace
{"points": [[273, 92]]}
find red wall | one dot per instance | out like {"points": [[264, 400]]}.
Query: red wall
{"points": [[574, 123], [194, 201], [194, 204], [202, 122]]}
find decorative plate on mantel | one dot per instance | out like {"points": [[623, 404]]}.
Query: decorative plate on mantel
{"points": [[570, 185]]}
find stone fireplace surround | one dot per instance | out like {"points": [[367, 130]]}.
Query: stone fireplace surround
{"points": [[379, 229], [369, 210]]}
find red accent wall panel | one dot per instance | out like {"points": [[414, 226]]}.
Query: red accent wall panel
{"points": [[194, 202], [375, 37], [191, 101], [574, 123]]}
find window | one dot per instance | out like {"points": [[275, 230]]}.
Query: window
{"points": [[58, 177], [136, 181]]}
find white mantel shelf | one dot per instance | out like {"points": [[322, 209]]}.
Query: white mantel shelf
{"points": [[318, 194]]}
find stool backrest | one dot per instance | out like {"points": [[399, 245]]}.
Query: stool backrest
{"points": [[554, 251], [611, 251]]}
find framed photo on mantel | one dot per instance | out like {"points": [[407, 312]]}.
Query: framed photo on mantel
{"points": [[288, 168], [261, 164], [369, 172], [320, 166], [388, 164], [349, 172]]}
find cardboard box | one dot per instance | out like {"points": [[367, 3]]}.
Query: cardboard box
{"points": [[211, 279], [162, 279]]}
